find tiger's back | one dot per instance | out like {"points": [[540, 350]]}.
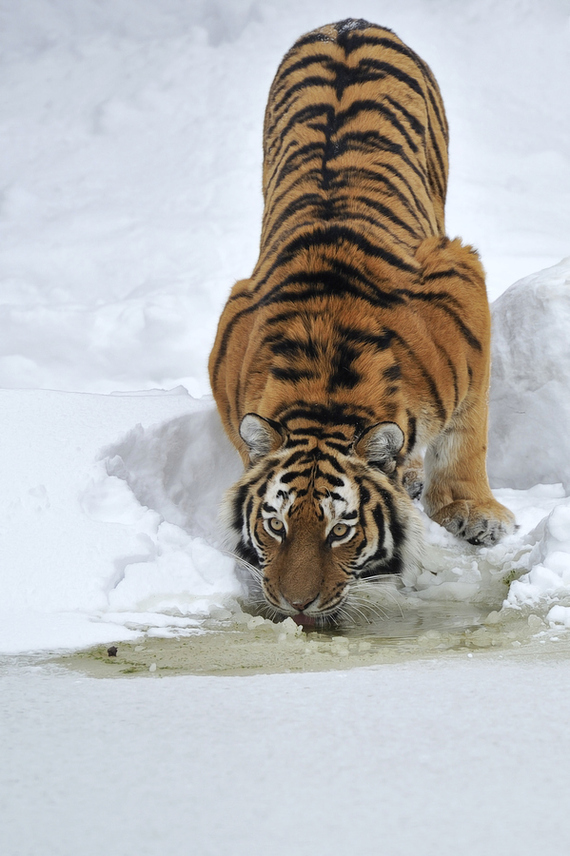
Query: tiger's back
{"points": [[362, 335], [355, 134]]}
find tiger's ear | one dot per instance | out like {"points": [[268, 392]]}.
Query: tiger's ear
{"points": [[380, 445], [260, 435]]}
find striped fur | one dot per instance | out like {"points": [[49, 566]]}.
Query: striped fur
{"points": [[361, 338]]}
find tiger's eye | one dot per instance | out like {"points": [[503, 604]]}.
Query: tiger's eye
{"points": [[275, 524], [339, 530]]}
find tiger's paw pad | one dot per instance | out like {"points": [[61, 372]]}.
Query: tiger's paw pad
{"points": [[480, 524]]}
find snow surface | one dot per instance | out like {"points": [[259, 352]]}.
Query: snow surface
{"points": [[431, 758], [129, 203], [530, 390]]}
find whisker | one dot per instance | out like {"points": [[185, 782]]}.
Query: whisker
{"points": [[255, 572], [364, 588]]}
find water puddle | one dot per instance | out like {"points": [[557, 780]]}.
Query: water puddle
{"points": [[242, 644]]}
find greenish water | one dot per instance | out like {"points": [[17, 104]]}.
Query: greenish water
{"points": [[241, 644]]}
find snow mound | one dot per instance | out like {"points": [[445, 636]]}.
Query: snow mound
{"points": [[529, 440], [179, 468], [165, 483], [548, 578]]}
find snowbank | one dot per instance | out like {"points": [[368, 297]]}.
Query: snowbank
{"points": [[530, 387], [78, 543]]}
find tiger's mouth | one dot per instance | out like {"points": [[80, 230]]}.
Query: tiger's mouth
{"points": [[304, 620]]}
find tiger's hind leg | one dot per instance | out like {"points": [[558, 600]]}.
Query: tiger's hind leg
{"points": [[457, 493]]}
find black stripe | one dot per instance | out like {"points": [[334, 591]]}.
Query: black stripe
{"points": [[391, 44], [342, 375], [309, 39], [321, 455], [441, 411], [387, 213], [301, 64], [302, 85], [396, 529], [292, 375], [279, 296], [453, 373], [248, 510], [412, 428], [388, 69], [463, 328], [301, 156], [378, 517], [381, 342], [446, 274], [282, 346], [412, 120], [364, 499], [285, 478], [332, 414], [294, 458], [341, 280], [335, 208], [393, 372], [437, 300], [237, 507], [369, 106], [245, 551], [306, 200], [263, 486], [331, 236], [350, 220], [343, 448], [332, 480], [359, 174], [436, 103], [311, 111], [359, 140]]}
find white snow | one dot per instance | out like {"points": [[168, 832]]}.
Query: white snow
{"points": [[530, 390], [129, 204], [425, 758]]}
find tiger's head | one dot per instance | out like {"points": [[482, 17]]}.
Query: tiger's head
{"points": [[317, 510]]}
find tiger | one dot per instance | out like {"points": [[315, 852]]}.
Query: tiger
{"points": [[351, 369]]}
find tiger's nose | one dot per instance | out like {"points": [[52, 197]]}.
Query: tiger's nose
{"points": [[302, 604]]}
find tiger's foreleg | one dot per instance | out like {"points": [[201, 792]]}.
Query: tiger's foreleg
{"points": [[457, 493]]}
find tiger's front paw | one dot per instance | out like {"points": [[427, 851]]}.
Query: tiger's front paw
{"points": [[483, 524]]}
